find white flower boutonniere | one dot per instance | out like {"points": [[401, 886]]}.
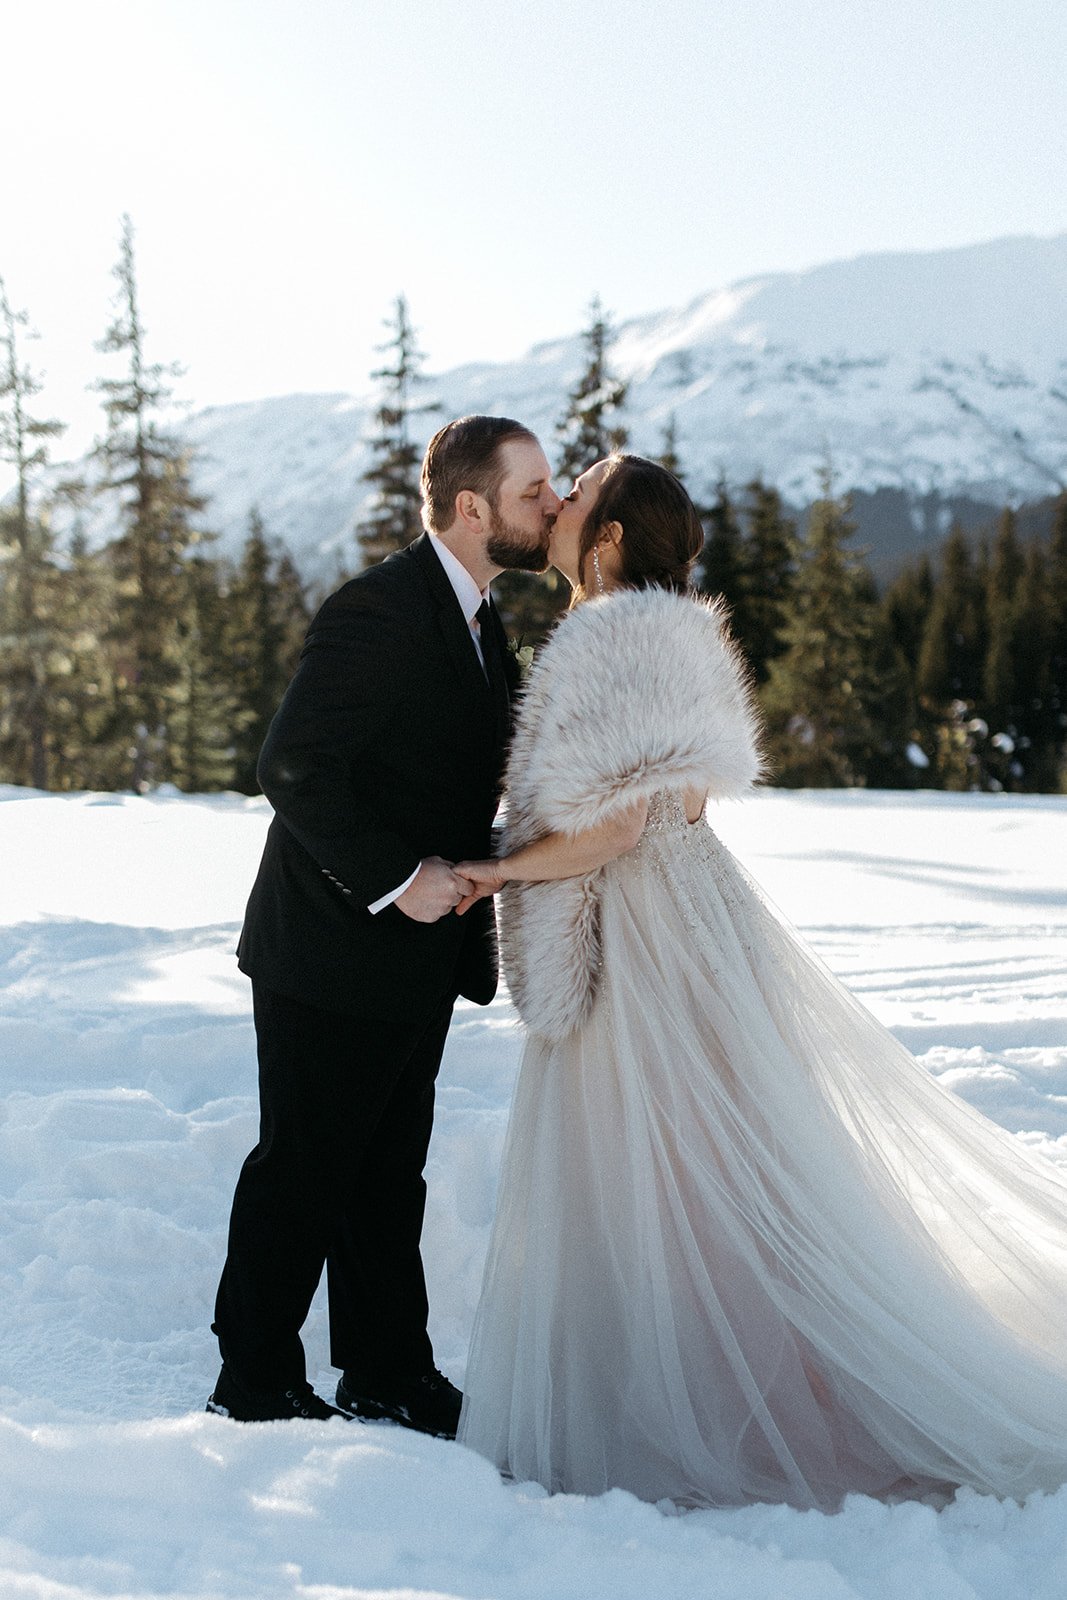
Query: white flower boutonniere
{"points": [[523, 653]]}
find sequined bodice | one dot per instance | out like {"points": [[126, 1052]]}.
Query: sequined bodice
{"points": [[666, 813], [683, 855]]}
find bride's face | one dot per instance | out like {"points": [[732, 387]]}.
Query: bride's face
{"points": [[565, 539]]}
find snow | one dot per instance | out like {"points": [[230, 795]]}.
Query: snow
{"points": [[128, 1104], [938, 372]]}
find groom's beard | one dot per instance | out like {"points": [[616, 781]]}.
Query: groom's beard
{"points": [[514, 549]]}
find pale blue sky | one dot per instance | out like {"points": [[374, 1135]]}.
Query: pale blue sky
{"points": [[290, 165]]}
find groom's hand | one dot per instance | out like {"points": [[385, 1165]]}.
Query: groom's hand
{"points": [[434, 891]]}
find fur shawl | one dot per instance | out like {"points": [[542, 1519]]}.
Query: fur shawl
{"points": [[639, 691]]}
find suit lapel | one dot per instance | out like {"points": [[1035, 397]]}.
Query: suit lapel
{"points": [[453, 627]]}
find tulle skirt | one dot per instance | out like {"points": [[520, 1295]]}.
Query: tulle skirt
{"points": [[746, 1249]]}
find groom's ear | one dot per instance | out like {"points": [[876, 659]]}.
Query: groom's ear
{"points": [[471, 510]]}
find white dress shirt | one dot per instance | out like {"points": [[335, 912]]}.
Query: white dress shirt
{"points": [[470, 598]]}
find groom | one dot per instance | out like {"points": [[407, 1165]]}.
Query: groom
{"points": [[383, 766]]}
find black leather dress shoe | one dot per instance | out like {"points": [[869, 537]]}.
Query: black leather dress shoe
{"points": [[428, 1403], [232, 1399]]}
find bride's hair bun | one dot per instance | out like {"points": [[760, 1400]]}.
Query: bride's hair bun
{"points": [[661, 532]]}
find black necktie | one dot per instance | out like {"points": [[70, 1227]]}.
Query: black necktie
{"points": [[494, 667]]}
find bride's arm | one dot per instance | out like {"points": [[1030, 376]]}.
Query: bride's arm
{"points": [[557, 855], [694, 801]]}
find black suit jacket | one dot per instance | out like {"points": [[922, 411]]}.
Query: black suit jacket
{"points": [[386, 748]]}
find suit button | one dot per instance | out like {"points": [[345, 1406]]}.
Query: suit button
{"points": [[346, 891]]}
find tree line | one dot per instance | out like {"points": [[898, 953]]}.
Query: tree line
{"points": [[152, 661], [156, 661]]}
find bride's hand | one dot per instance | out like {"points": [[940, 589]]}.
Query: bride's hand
{"points": [[486, 876]]}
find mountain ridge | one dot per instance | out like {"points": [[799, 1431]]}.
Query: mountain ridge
{"points": [[941, 375]]}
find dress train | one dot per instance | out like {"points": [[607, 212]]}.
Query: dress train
{"points": [[746, 1249]]}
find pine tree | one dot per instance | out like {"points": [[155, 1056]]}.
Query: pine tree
{"points": [[1057, 588], [906, 605], [949, 671], [891, 701], [28, 575], [769, 557], [393, 519], [1000, 691], [1036, 739], [150, 471], [668, 451], [589, 428], [721, 567], [83, 711], [952, 647], [268, 617], [202, 722], [949, 663], [752, 568], [821, 696], [530, 605], [900, 622], [291, 597]]}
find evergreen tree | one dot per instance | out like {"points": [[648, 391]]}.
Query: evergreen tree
{"points": [[668, 451], [83, 716], [769, 557], [295, 611], [962, 749], [1000, 691], [150, 471], [948, 676], [952, 647], [1057, 589], [900, 623], [892, 702], [906, 606], [530, 604], [393, 519], [1035, 733], [721, 567], [28, 573], [752, 568], [268, 617], [589, 428], [203, 753], [821, 696]]}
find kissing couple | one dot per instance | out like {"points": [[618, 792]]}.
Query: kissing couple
{"points": [[745, 1249]]}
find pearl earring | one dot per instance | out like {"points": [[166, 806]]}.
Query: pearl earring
{"points": [[596, 569]]}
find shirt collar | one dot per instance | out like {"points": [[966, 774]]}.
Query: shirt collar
{"points": [[467, 591]]}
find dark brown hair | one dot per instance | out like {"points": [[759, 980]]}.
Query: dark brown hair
{"points": [[465, 454], [661, 532]]}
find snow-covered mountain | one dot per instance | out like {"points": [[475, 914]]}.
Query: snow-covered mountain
{"points": [[941, 374]]}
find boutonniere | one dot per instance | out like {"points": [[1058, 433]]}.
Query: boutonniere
{"points": [[523, 653]]}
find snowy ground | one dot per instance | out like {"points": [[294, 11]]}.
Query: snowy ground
{"points": [[128, 1104]]}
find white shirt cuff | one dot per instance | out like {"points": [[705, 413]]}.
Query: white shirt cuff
{"points": [[387, 899]]}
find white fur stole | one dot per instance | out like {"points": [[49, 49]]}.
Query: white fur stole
{"points": [[639, 691]]}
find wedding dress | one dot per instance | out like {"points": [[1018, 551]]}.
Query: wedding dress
{"points": [[746, 1249]]}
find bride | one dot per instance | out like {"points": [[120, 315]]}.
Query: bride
{"points": [[745, 1248]]}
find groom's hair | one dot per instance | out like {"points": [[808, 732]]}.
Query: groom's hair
{"points": [[465, 454]]}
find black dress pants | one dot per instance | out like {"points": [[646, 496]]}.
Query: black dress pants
{"points": [[346, 1110]]}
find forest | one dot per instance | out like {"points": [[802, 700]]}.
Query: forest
{"points": [[155, 661]]}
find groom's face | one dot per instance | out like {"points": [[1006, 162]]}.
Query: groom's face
{"points": [[523, 510]]}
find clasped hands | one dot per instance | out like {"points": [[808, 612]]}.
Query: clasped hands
{"points": [[442, 886]]}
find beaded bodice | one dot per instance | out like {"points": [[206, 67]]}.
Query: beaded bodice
{"points": [[666, 813]]}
